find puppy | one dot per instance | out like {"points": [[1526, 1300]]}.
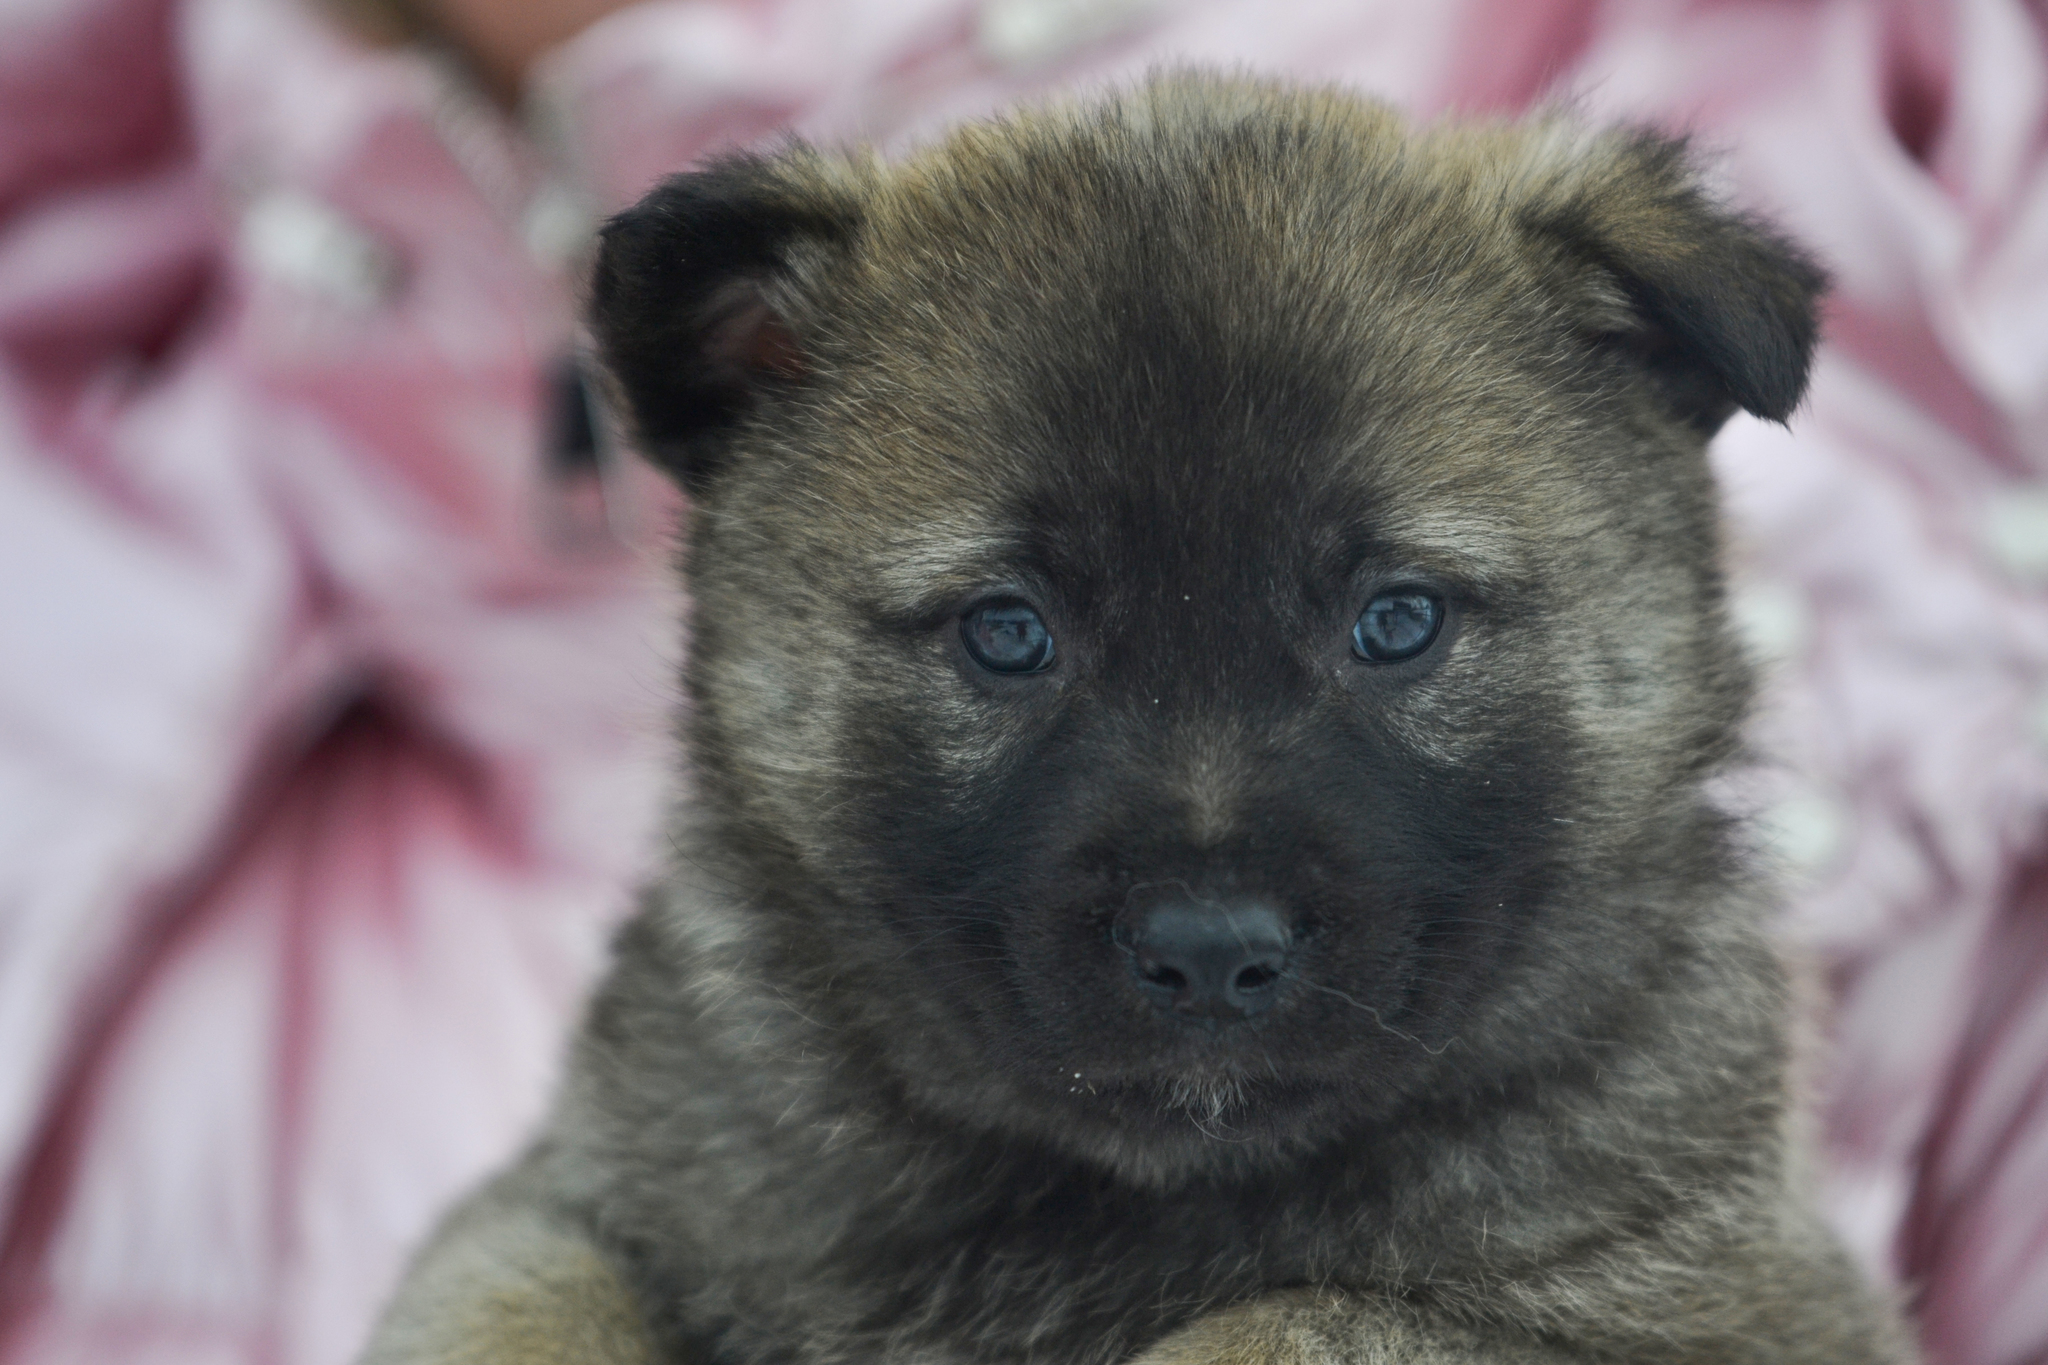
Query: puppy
{"points": [[1208, 649]]}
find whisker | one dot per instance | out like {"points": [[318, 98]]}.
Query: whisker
{"points": [[1373, 1013]]}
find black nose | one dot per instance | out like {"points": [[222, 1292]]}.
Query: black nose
{"points": [[1209, 961]]}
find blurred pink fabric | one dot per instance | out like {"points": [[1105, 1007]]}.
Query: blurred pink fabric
{"points": [[332, 718]]}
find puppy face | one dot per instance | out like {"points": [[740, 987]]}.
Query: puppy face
{"points": [[1206, 618]]}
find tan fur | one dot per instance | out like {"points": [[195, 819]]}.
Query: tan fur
{"points": [[1311, 1327], [505, 1285]]}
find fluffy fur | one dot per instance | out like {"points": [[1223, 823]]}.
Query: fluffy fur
{"points": [[1196, 371]]}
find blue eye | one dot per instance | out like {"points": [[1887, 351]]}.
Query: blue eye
{"points": [[1397, 625], [1007, 636]]}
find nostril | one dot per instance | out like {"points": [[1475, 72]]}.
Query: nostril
{"points": [[1161, 975], [1258, 976]]}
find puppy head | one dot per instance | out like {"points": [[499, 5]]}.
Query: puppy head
{"points": [[1207, 624]]}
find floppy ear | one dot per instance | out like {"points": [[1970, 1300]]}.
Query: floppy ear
{"points": [[693, 300], [1719, 308]]}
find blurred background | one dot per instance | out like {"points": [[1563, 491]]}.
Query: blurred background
{"points": [[336, 648]]}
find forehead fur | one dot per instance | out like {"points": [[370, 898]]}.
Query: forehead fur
{"points": [[1199, 280]]}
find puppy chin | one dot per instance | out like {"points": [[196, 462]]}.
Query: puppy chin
{"points": [[1181, 1130], [1170, 1127], [1210, 1103]]}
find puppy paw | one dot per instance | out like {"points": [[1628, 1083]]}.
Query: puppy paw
{"points": [[1292, 1327], [1328, 1327]]}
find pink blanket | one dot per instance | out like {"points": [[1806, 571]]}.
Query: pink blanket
{"points": [[331, 710]]}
